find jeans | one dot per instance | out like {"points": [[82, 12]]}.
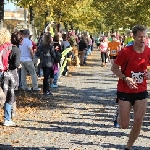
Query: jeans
{"points": [[89, 50], [46, 73], [55, 78], [85, 57], [28, 66], [7, 111]]}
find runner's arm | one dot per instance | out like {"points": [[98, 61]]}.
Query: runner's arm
{"points": [[130, 82], [115, 69]]}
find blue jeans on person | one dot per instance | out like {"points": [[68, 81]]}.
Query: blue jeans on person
{"points": [[7, 111], [55, 78], [89, 50], [85, 57]]}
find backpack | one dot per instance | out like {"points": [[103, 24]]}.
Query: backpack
{"points": [[46, 58], [5, 50]]}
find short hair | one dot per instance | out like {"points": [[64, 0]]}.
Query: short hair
{"points": [[26, 32], [16, 38], [137, 28], [64, 37], [4, 36]]}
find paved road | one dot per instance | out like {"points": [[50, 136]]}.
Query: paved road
{"points": [[78, 117]]}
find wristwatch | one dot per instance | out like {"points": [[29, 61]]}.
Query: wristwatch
{"points": [[124, 78]]}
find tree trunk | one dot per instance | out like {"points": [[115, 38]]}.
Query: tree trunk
{"points": [[1, 12]]}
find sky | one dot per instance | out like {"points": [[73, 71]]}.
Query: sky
{"points": [[9, 6]]}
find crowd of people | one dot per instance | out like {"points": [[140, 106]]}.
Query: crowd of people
{"points": [[20, 56], [129, 57]]}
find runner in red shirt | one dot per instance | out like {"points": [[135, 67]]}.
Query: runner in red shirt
{"points": [[132, 86]]}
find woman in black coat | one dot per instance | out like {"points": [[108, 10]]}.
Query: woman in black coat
{"points": [[45, 52]]}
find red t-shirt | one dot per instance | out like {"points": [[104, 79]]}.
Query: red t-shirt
{"points": [[136, 67]]}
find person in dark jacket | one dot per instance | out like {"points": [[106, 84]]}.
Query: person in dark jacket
{"points": [[58, 48], [10, 78], [82, 49], [57, 43], [45, 51]]}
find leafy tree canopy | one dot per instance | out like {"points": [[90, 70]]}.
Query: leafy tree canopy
{"points": [[91, 15]]}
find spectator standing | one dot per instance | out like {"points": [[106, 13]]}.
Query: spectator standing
{"points": [[73, 42], [10, 76], [82, 49], [5, 50], [34, 49], [92, 42], [26, 59], [45, 51], [57, 47]]}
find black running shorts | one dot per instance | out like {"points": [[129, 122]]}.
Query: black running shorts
{"points": [[112, 57], [131, 97]]}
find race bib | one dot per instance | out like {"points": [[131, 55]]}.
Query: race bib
{"points": [[113, 52], [137, 76]]}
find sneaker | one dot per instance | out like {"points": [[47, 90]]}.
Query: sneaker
{"points": [[26, 89], [47, 94], [54, 85], [8, 123], [38, 89], [115, 119]]}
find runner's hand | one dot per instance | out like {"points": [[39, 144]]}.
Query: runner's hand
{"points": [[131, 83]]}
